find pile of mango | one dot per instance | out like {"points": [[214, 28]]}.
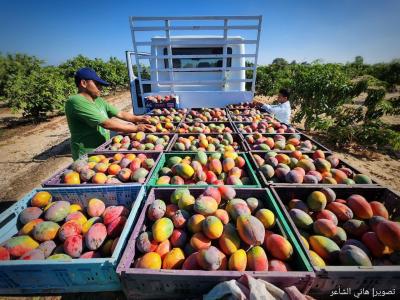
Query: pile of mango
{"points": [[198, 127], [202, 169], [139, 141], [221, 143], [292, 142], [350, 232], [215, 231], [154, 120], [169, 111], [61, 231], [242, 105], [265, 127], [207, 115], [110, 169], [297, 167]]}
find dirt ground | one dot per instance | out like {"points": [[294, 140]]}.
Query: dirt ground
{"points": [[31, 153]]}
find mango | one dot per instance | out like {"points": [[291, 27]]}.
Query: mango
{"points": [[194, 223], [250, 230], [279, 247], [180, 218], [388, 233], [47, 247], [316, 201], [298, 204], [276, 265], [36, 254], [237, 207], [212, 227], [301, 218], [45, 231], [163, 180], [359, 244], [41, 199], [325, 227], [191, 263], [229, 242], [359, 206], [156, 210], [214, 193], [115, 228], [68, 229], [76, 216], [27, 229], [145, 242], [209, 259], [178, 194], [30, 214], [19, 245], [95, 237], [163, 248], [374, 221], [377, 248], [201, 157], [340, 237], [75, 207], [95, 207], [171, 210], [162, 229], [329, 194], [316, 260], [353, 256], [90, 254], [378, 209], [238, 261], [253, 204], [326, 214], [113, 212], [60, 256], [89, 223], [257, 259], [227, 192], [223, 215], [139, 175], [326, 248], [355, 227], [150, 260], [205, 205], [178, 238], [294, 176], [57, 212], [200, 241], [266, 217], [186, 203], [362, 179], [342, 211], [173, 259], [4, 254], [73, 246]]}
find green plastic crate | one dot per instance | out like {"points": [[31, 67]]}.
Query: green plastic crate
{"points": [[165, 156]]}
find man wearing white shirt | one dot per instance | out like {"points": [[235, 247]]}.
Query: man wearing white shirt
{"points": [[281, 111]]}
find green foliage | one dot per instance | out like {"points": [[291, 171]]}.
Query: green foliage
{"points": [[43, 90], [29, 86]]}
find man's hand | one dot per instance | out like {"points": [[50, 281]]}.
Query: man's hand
{"points": [[257, 104], [142, 119], [146, 128]]}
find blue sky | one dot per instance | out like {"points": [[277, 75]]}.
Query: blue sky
{"points": [[334, 31]]}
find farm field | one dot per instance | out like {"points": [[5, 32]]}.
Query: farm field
{"points": [[31, 153]]}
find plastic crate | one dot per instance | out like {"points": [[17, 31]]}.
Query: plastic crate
{"points": [[227, 124], [332, 277], [303, 137], [78, 275], [107, 145], [342, 163], [165, 156], [166, 284], [236, 138], [55, 180]]}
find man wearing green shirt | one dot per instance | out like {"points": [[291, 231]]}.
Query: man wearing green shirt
{"points": [[90, 117]]}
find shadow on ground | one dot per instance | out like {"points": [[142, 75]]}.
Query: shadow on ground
{"points": [[62, 149]]}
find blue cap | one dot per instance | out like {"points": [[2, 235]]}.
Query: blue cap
{"points": [[90, 74]]}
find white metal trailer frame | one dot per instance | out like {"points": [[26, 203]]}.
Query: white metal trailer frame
{"points": [[198, 98]]}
